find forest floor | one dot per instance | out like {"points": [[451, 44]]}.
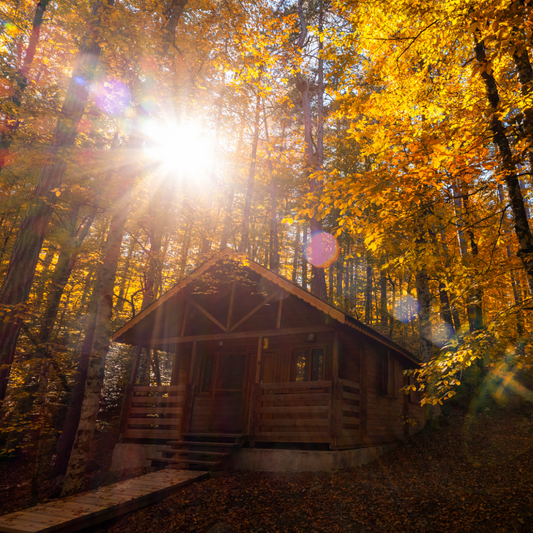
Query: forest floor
{"points": [[472, 474]]}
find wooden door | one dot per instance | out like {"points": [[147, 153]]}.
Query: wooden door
{"points": [[228, 391]]}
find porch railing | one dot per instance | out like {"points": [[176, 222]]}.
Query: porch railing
{"points": [[153, 412], [311, 411]]}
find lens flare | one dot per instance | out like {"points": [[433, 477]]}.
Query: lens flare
{"points": [[406, 309], [322, 249], [441, 333], [111, 96]]}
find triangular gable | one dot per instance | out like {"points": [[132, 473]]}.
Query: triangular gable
{"points": [[277, 280]]}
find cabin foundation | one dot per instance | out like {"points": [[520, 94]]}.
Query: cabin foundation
{"points": [[129, 455], [263, 460]]}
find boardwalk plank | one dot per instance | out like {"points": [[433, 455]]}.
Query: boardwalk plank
{"points": [[87, 509]]}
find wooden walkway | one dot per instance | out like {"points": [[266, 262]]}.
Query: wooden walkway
{"points": [[90, 508]]}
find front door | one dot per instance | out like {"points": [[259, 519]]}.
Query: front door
{"points": [[227, 393]]}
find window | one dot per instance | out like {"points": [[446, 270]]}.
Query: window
{"points": [[309, 364], [387, 374]]}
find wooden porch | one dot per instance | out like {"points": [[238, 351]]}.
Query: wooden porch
{"points": [[321, 412]]}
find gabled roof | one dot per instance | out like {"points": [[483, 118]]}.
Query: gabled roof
{"points": [[276, 279]]}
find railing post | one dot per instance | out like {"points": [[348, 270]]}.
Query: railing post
{"points": [[125, 411], [186, 412], [256, 415], [336, 411]]}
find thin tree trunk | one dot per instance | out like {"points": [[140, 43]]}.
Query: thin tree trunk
{"points": [[368, 290], [63, 270], [383, 314], [226, 228], [296, 254], [521, 225], [21, 270], [424, 303], [312, 161], [11, 126], [245, 227], [274, 241], [172, 14], [304, 258]]}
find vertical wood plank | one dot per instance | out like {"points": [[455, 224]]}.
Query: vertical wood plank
{"points": [[184, 321], [363, 380], [335, 370], [188, 406], [255, 417], [126, 405], [280, 308], [193, 363], [258, 361], [230, 308]]}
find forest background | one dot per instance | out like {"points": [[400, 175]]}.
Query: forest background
{"points": [[378, 154]]}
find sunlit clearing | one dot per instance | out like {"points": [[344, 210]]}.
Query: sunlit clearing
{"points": [[183, 151]]}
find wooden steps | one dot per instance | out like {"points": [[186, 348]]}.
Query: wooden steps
{"points": [[199, 451]]}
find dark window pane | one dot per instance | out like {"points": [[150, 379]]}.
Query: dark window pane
{"points": [[208, 373], [301, 365], [317, 364]]}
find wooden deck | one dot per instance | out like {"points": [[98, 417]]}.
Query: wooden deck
{"points": [[90, 508]]}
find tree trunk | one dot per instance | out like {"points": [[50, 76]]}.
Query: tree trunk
{"points": [[63, 270], [424, 303], [521, 225], [245, 228], [369, 290], [313, 161], [274, 241], [383, 315], [304, 258], [88, 413], [75, 475], [21, 270], [172, 14], [6, 136], [296, 254]]}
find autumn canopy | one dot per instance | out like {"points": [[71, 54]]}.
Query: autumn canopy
{"points": [[378, 154]]}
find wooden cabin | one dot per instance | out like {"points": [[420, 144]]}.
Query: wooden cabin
{"points": [[258, 359]]}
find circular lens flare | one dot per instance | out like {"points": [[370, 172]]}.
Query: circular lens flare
{"points": [[406, 309], [322, 249], [111, 96]]}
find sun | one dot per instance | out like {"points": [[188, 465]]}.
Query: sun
{"points": [[182, 150]]}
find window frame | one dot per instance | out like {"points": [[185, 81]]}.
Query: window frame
{"points": [[309, 349], [387, 374]]}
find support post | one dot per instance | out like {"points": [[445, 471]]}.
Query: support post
{"points": [[335, 369], [193, 363], [280, 308], [364, 391], [258, 362], [336, 412], [254, 412]]}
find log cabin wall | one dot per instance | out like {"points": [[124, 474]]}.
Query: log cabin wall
{"points": [[389, 417]]}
